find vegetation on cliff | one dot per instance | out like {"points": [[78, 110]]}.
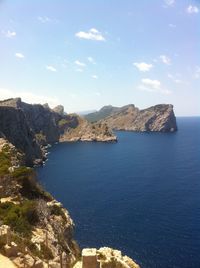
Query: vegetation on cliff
{"points": [[37, 221]]}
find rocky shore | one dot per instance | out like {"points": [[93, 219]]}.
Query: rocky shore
{"points": [[36, 231]]}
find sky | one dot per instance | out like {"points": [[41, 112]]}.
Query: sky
{"points": [[87, 54]]}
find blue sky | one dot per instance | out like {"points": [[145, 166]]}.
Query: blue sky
{"points": [[87, 54]]}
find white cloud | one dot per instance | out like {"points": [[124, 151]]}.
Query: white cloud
{"points": [[142, 66], [97, 94], [197, 72], [79, 63], [51, 68], [95, 76], [28, 97], [151, 83], [153, 86], [10, 34], [169, 2], [79, 70], [92, 34], [165, 59], [73, 95], [178, 81], [192, 9], [171, 25], [175, 78], [44, 19], [19, 55], [91, 60]]}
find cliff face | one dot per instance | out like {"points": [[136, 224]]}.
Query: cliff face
{"points": [[29, 127], [41, 229], [158, 118], [14, 127], [37, 231], [88, 132]]}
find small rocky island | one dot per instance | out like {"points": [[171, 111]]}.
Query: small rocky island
{"points": [[158, 118]]}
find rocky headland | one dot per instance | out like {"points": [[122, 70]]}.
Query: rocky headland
{"points": [[31, 127], [158, 118]]}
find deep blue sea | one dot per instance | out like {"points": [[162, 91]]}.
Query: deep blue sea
{"points": [[140, 195]]}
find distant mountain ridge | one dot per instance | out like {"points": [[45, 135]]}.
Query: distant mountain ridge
{"points": [[158, 118], [102, 113]]}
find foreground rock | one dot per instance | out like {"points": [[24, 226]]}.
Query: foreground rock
{"points": [[36, 228], [159, 118], [104, 258]]}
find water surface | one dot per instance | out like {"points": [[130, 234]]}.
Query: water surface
{"points": [[140, 195]]}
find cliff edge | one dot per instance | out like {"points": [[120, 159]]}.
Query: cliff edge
{"points": [[31, 127]]}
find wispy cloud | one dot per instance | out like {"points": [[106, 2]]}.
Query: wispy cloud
{"points": [[19, 55], [192, 9], [28, 96], [9, 34], [175, 79], [79, 70], [44, 19], [92, 34], [153, 86], [142, 66], [91, 60], [165, 59], [79, 63], [171, 25], [170, 2], [97, 94], [95, 76], [51, 68], [197, 72]]}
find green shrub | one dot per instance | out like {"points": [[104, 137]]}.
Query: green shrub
{"points": [[2, 242], [56, 210], [5, 162], [46, 252], [30, 189], [21, 218], [22, 172], [63, 122]]}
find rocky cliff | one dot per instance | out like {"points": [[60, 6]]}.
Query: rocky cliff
{"points": [[29, 127], [35, 230], [14, 127], [158, 118], [41, 230], [88, 132]]}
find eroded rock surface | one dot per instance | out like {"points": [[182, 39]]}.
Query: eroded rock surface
{"points": [[159, 118]]}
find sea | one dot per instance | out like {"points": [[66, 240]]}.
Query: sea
{"points": [[140, 195]]}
